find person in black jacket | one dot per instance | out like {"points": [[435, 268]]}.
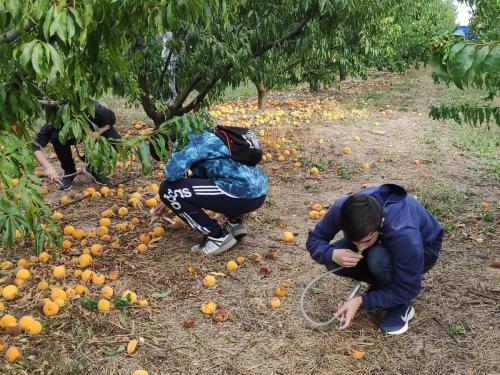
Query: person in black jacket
{"points": [[104, 119]]}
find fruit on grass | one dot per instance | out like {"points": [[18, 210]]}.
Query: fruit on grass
{"points": [[12, 354], [44, 257], [140, 372], [113, 275], [103, 305], [143, 302], [314, 215], [313, 171], [220, 315], [58, 293], [209, 281], [98, 279], [85, 260], [107, 292], [365, 166], [485, 205], [9, 292], [57, 215], [135, 220], [78, 234], [2, 346], [208, 307], [144, 238], [158, 231], [285, 284], [96, 249], [19, 282], [6, 265], [123, 211], [240, 260], [7, 320], [87, 275], [79, 289], [417, 162], [151, 203], [107, 213], [67, 244], [287, 236], [58, 272], [275, 302], [131, 346], [189, 323], [255, 257], [141, 248], [43, 285], [23, 274], [23, 263], [60, 302], [356, 138], [346, 150], [25, 321], [231, 265], [316, 207], [279, 292], [356, 351], [105, 222], [102, 231], [34, 328], [50, 308], [129, 295], [68, 230], [65, 199]]}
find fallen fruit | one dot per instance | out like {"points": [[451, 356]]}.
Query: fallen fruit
{"points": [[240, 260], [129, 295], [85, 260], [50, 308], [140, 372], [103, 305], [131, 346], [23, 274], [34, 328], [25, 321], [209, 281], [208, 308], [7, 320], [231, 265], [189, 323], [58, 272], [314, 215], [12, 354], [356, 351], [485, 205], [9, 292], [275, 303], [279, 292], [313, 171], [107, 292], [255, 257], [287, 236], [346, 150], [220, 315]]}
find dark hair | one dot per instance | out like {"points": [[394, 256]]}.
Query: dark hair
{"points": [[360, 215]]}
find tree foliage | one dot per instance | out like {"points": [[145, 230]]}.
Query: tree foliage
{"points": [[471, 63]]}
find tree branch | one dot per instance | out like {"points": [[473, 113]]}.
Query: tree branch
{"points": [[12, 35], [255, 54], [52, 103]]}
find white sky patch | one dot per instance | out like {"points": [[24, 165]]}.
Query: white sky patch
{"points": [[463, 13]]}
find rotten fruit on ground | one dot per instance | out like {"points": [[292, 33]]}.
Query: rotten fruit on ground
{"points": [[240, 260], [356, 351], [209, 281], [255, 257], [220, 315], [208, 307], [189, 323], [275, 302]]}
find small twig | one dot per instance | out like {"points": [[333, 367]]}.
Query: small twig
{"points": [[447, 330]]}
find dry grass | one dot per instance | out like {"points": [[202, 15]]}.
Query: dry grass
{"points": [[460, 289]]}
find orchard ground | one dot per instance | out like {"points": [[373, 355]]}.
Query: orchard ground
{"points": [[451, 168]]}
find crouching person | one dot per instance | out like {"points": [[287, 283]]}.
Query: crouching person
{"points": [[218, 183], [390, 240]]}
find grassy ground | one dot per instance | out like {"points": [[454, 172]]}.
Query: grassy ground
{"points": [[451, 169]]}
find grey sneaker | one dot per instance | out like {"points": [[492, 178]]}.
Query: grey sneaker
{"points": [[215, 246], [237, 229], [98, 179]]}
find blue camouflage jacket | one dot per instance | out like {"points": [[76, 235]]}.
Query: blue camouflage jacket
{"points": [[208, 157]]}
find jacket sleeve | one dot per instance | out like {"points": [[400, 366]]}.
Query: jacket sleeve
{"points": [[103, 116], [318, 242], [42, 138], [408, 262]]}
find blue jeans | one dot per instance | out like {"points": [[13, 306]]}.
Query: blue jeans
{"points": [[376, 267]]}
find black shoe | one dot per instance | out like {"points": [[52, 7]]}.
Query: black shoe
{"points": [[98, 179], [66, 182]]}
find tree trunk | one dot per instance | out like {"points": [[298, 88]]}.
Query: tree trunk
{"points": [[342, 73], [261, 94]]}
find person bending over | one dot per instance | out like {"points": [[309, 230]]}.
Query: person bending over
{"points": [[104, 119]]}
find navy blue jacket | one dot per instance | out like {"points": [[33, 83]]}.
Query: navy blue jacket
{"points": [[408, 229]]}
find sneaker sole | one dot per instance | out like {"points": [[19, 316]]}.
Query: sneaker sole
{"points": [[61, 189], [224, 248], [405, 327], [92, 177], [239, 234]]}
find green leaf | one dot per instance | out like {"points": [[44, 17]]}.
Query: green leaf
{"points": [[35, 58], [113, 351], [230, 338], [123, 318], [26, 53], [316, 290], [160, 295], [56, 59], [88, 303]]}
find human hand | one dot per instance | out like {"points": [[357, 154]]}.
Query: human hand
{"points": [[346, 258], [347, 311], [50, 172], [160, 209]]}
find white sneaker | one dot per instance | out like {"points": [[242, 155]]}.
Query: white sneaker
{"points": [[215, 246], [238, 230]]}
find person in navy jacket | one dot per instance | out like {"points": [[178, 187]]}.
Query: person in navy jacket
{"points": [[390, 240]]}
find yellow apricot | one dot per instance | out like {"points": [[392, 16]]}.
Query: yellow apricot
{"points": [[68, 230], [57, 215], [58, 272], [103, 305], [9, 292], [50, 308], [58, 293], [34, 328], [98, 279], [6, 265], [287, 236], [85, 260], [7, 320], [96, 249], [67, 244], [231, 265], [209, 281], [44, 257], [87, 275], [43, 285], [79, 289], [132, 344], [128, 294], [12, 354], [25, 321], [23, 274], [141, 248], [208, 307], [105, 222], [122, 211], [275, 303]]}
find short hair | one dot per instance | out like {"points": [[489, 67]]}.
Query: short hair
{"points": [[360, 215]]}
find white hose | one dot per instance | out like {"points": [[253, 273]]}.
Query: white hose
{"points": [[302, 310]]}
